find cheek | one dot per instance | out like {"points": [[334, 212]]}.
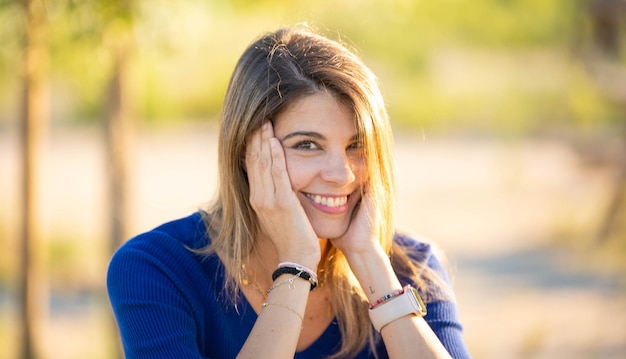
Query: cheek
{"points": [[297, 171], [360, 171]]}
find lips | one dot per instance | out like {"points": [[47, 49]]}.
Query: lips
{"points": [[328, 201]]}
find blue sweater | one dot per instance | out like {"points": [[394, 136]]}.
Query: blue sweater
{"points": [[169, 302]]}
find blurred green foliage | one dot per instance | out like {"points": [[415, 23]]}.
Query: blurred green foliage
{"points": [[504, 66]]}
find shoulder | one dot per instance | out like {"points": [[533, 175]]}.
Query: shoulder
{"points": [[190, 230], [413, 243], [418, 261], [421, 250], [166, 249], [184, 233], [164, 293]]}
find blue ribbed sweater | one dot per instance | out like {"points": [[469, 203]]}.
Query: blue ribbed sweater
{"points": [[169, 302]]}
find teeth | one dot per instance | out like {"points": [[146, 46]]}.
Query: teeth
{"points": [[328, 201]]}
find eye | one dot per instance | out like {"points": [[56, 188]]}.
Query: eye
{"points": [[306, 145], [356, 145]]}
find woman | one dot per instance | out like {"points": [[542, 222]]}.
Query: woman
{"points": [[298, 255]]}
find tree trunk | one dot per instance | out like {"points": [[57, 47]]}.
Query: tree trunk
{"points": [[34, 117], [608, 34], [119, 134]]}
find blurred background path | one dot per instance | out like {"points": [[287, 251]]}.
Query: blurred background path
{"points": [[508, 216], [518, 221]]}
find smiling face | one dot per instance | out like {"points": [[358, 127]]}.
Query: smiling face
{"points": [[324, 160]]}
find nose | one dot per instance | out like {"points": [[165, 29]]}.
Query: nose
{"points": [[339, 169]]}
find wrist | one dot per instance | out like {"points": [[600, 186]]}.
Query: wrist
{"points": [[298, 271], [365, 254], [307, 257], [396, 306], [304, 261], [374, 272]]}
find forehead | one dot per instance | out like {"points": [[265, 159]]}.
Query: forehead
{"points": [[320, 111]]}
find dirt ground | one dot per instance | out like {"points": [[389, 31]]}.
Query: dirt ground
{"points": [[502, 212]]}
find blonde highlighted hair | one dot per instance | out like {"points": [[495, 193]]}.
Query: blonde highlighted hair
{"points": [[272, 72]]}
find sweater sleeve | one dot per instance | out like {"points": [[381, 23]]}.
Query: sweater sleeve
{"points": [[443, 318], [150, 299]]}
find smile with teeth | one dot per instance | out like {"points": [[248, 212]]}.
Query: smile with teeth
{"points": [[328, 201]]}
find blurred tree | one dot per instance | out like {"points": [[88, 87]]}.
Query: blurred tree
{"points": [[99, 38], [608, 19], [34, 117], [119, 122], [607, 62], [118, 42]]}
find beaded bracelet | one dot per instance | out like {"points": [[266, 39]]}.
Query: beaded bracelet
{"points": [[298, 271], [386, 298]]}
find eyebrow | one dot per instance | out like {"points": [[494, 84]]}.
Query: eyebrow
{"points": [[305, 134], [311, 134]]}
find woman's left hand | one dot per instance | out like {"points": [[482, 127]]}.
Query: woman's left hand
{"points": [[363, 250], [362, 234]]}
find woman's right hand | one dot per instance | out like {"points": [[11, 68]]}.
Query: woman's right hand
{"points": [[280, 214]]}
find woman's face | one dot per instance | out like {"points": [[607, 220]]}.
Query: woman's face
{"points": [[324, 160]]}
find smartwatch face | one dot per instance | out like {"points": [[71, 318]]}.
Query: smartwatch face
{"points": [[420, 303]]}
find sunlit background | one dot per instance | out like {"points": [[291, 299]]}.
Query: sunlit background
{"points": [[510, 123]]}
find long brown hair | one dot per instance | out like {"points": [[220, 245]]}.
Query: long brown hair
{"points": [[272, 72]]}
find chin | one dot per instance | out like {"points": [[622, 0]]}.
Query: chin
{"points": [[330, 231], [328, 227]]}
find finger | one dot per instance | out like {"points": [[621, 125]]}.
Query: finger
{"points": [[366, 212], [253, 147], [280, 175], [265, 161], [253, 155]]}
